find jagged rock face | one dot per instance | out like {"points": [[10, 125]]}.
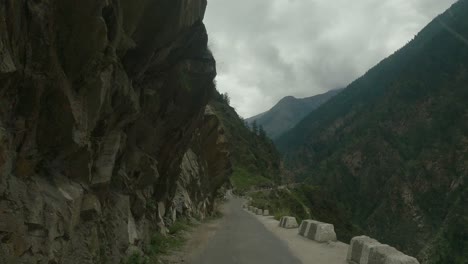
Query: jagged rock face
{"points": [[99, 102], [204, 174]]}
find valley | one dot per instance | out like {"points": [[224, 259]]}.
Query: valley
{"points": [[119, 140]]}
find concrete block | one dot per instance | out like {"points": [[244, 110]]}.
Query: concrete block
{"points": [[389, 255], [281, 222], [288, 222], [305, 226], [259, 212], [356, 253], [365, 250], [401, 259], [325, 232], [266, 212], [318, 231]]}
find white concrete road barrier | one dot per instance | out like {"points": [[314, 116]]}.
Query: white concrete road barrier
{"points": [[259, 212], [266, 212], [365, 250], [318, 231], [288, 222]]}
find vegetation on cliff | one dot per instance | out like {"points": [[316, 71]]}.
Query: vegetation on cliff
{"points": [[305, 201], [255, 160]]}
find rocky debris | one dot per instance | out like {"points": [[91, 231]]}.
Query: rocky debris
{"points": [[105, 137], [365, 250], [288, 222]]}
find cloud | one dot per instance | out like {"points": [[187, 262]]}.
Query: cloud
{"points": [[268, 49]]}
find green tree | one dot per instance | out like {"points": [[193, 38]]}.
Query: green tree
{"points": [[255, 127], [226, 98], [261, 132]]}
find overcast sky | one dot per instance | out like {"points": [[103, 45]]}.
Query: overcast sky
{"points": [[268, 49]]}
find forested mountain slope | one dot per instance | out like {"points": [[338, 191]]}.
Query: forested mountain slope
{"points": [[288, 112], [393, 146]]}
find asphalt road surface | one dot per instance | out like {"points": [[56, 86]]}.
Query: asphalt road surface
{"points": [[242, 239]]}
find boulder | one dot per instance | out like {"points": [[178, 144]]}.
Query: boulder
{"points": [[288, 222], [266, 212]]}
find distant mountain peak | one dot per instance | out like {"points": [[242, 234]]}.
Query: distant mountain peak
{"points": [[288, 98], [289, 111]]}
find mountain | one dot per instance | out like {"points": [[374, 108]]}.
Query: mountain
{"points": [[393, 146], [288, 112], [255, 159]]}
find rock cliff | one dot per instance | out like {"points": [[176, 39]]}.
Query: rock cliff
{"points": [[105, 135]]}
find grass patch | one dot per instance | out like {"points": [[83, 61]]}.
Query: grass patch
{"points": [[307, 202], [281, 203], [215, 215], [178, 226], [243, 180], [161, 245], [282, 212], [137, 259]]}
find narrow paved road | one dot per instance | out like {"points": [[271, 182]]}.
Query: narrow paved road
{"points": [[242, 239]]}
